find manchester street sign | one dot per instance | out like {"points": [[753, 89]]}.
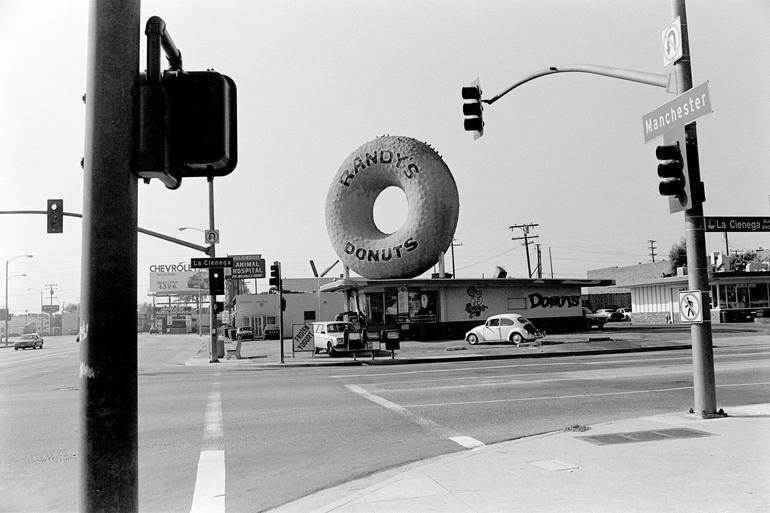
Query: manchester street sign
{"points": [[201, 263], [684, 109], [737, 224]]}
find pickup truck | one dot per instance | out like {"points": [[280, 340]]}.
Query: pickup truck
{"points": [[593, 319]]}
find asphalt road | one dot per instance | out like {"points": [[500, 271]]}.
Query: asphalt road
{"points": [[284, 433]]}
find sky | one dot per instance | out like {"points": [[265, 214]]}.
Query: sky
{"points": [[317, 79]]}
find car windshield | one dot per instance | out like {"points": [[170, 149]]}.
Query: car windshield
{"points": [[337, 328], [27, 337]]}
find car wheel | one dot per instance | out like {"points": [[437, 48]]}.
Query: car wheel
{"points": [[517, 339], [473, 339], [330, 350], [15, 348]]}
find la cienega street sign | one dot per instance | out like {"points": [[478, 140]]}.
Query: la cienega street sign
{"points": [[685, 108]]}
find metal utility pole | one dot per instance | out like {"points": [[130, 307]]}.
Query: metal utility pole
{"points": [[453, 255], [212, 298], [550, 260], [108, 454], [704, 386], [525, 228], [652, 249], [539, 263]]}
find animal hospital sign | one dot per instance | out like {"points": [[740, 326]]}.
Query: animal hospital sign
{"points": [[685, 108]]}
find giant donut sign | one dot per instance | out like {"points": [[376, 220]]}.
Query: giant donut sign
{"points": [[431, 195]]}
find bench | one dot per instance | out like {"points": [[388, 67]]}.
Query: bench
{"points": [[233, 349]]}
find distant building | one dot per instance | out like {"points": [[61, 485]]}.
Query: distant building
{"points": [[653, 293]]}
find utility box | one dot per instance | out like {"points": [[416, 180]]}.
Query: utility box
{"points": [[392, 339]]}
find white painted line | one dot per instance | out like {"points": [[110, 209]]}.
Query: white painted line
{"points": [[576, 396], [467, 441], [212, 430], [554, 465], [607, 360], [209, 494]]}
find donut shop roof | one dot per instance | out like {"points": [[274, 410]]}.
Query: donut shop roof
{"points": [[355, 283]]}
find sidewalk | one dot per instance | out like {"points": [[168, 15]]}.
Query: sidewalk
{"points": [[666, 463]]}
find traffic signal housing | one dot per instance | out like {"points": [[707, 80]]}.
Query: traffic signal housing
{"points": [[187, 126], [472, 109], [674, 172], [216, 281], [275, 275], [202, 116], [55, 216], [219, 307]]}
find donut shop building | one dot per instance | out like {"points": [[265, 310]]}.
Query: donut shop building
{"points": [[446, 308]]}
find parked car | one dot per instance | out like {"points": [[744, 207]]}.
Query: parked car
{"points": [[594, 319], [32, 340], [271, 332], [612, 314], [510, 327], [244, 333], [329, 336], [626, 313]]}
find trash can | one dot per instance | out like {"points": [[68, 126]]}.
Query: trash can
{"points": [[220, 347]]}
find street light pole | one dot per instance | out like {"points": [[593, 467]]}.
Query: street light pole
{"points": [[8, 312]]}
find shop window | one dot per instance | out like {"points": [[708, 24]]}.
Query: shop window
{"points": [[727, 296], [391, 305], [758, 295], [309, 316], [376, 303], [422, 306], [742, 296]]}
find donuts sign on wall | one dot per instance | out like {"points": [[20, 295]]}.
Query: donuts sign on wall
{"points": [[433, 206]]}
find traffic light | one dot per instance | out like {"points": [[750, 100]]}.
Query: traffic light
{"points": [[216, 281], [673, 169], [219, 307], [55, 215], [187, 127], [472, 109], [202, 116], [275, 275]]}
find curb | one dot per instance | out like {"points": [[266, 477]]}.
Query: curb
{"points": [[200, 362]]}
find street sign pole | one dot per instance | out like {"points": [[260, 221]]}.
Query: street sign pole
{"points": [[704, 386], [108, 454], [212, 298]]}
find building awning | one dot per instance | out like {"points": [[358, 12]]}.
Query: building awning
{"points": [[360, 283]]}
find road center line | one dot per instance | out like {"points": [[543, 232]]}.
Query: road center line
{"points": [[575, 396], [465, 441], [209, 493]]}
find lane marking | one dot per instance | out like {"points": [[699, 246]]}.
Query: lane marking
{"points": [[212, 427], [209, 492], [467, 441], [576, 396], [428, 424], [584, 375], [606, 361]]}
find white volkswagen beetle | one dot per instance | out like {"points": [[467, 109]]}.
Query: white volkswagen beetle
{"points": [[510, 327]]}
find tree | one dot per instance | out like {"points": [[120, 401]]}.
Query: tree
{"points": [[739, 262], [678, 255]]}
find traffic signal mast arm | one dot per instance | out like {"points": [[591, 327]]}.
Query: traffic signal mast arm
{"points": [[666, 81], [138, 229]]}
